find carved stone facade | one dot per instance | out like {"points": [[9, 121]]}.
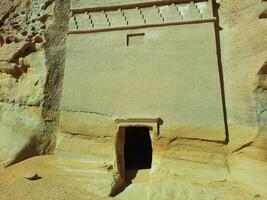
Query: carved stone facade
{"points": [[142, 14], [144, 60], [161, 99]]}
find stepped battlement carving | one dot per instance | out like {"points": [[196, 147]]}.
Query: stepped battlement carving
{"points": [[133, 15]]}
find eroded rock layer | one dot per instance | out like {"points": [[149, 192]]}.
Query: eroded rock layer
{"points": [[26, 67], [186, 164]]}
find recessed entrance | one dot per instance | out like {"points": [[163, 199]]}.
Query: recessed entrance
{"points": [[134, 142], [137, 148]]}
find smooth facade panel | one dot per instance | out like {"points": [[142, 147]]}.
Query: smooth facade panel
{"points": [[172, 74]]}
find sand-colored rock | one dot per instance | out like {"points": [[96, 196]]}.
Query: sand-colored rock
{"points": [[74, 74], [32, 176], [23, 72]]}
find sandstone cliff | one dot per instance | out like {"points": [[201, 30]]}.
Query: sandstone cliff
{"points": [[32, 56]]}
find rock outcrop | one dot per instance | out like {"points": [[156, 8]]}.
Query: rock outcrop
{"points": [[27, 60], [33, 35]]}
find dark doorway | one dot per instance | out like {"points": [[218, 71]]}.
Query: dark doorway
{"points": [[137, 148]]}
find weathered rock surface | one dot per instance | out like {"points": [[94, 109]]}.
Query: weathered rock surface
{"points": [[32, 55], [185, 170], [244, 52], [24, 131]]}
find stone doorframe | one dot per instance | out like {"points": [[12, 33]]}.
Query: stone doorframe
{"points": [[151, 123]]}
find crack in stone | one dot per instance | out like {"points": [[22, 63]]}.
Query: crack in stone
{"points": [[243, 146], [85, 111]]}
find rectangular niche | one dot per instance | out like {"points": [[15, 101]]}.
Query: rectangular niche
{"points": [[135, 39]]}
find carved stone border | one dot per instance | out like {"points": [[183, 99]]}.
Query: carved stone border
{"points": [[152, 124], [132, 5], [198, 21]]}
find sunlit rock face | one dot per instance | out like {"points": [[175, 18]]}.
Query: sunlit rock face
{"points": [[243, 56], [25, 65], [77, 75]]}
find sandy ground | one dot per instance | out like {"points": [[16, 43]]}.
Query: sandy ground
{"points": [[81, 170], [55, 184]]}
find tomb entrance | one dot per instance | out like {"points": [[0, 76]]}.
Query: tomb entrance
{"points": [[134, 142]]}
